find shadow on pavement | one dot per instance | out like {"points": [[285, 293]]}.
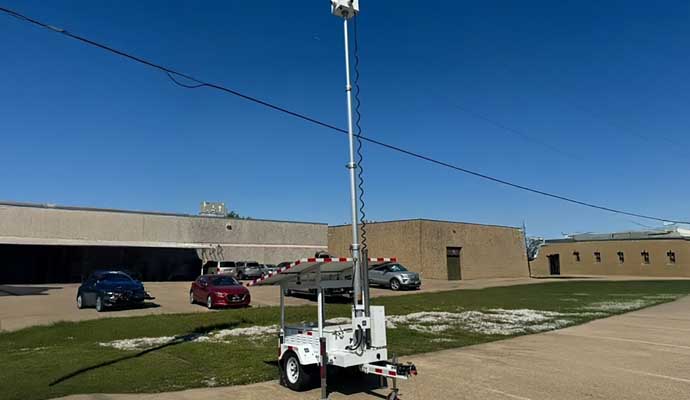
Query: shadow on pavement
{"points": [[12, 290], [350, 382]]}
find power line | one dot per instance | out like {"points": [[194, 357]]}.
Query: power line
{"points": [[172, 74], [514, 131]]}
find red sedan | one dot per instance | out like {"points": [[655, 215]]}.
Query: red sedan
{"points": [[219, 291]]}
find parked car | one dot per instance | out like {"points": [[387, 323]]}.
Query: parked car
{"points": [[283, 265], [105, 289], [219, 291], [220, 267], [248, 270], [394, 276]]}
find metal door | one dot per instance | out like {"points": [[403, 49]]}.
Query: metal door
{"points": [[453, 263], [554, 264]]}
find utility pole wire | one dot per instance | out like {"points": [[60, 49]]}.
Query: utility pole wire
{"points": [[171, 74]]}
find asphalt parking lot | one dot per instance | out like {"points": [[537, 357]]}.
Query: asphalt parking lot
{"points": [[22, 306], [639, 355]]}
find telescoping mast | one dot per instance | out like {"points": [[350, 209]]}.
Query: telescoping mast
{"points": [[307, 350]]}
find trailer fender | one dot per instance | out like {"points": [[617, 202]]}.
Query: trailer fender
{"points": [[305, 355]]}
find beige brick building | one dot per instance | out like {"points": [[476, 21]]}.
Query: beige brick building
{"points": [[662, 253], [442, 249]]}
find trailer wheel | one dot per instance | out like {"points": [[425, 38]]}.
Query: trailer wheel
{"points": [[295, 375], [393, 395]]}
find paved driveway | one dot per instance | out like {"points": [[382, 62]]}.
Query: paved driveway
{"points": [[27, 305], [640, 355]]}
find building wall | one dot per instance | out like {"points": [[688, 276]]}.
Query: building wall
{"points": [[139, 238], [487, 251], [399, 239], [633, 261], [156, 230]]}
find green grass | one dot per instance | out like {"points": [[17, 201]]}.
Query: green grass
{"points": [[66, 358]]}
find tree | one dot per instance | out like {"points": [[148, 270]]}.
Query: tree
{"points": [[533, 244], [232, 214]]}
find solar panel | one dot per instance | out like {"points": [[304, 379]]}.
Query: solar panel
{"points": [[309, 266]]}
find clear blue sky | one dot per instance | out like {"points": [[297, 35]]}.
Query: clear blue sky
{"points": [[605, 84]]}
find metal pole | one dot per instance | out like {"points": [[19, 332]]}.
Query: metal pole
{"points": [[282, 311], [357, 265], [365, 282], [322, 340]]}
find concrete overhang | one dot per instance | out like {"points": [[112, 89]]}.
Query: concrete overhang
{"points": [[124, 243]]}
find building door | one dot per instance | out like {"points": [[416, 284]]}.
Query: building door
{"points": [[554, 264], [453, 263]]}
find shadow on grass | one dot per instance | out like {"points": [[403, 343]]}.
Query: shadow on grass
{"points": [[188, 337]]}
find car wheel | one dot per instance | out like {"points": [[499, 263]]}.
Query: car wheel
{"points": [[80, 302], [295, 376], [395, 284], [209, 303], [99, 304], [191, 297], [240, 276], [289, 292]]}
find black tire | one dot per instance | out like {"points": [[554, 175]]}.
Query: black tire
{"points": [[288, 292], [240, 276], [295, 375], [209, 303], [80, 301], [395, 284], [191, 298], [99, 304]]}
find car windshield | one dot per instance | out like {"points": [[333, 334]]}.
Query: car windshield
{"points": [[252, 264], [224, 281], [397, 268], [227, 264], [113, 277]]}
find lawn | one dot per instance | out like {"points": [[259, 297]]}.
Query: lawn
{"points": [[232, 347]]}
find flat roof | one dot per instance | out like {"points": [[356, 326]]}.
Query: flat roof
{"points": [[49, 206], [431, 220], [656, 234]]}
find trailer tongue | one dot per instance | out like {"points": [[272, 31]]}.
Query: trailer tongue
{"points": [[306, 350]]}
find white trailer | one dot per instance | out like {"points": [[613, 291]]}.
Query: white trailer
{"points": [[306, 350]]}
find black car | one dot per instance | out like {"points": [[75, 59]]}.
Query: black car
{"points": [[104, 289]]}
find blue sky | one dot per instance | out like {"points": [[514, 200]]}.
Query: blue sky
{"points": [[595, 96]]}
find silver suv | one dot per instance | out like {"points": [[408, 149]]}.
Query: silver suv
{"points": [[249, 270], [395, 276]]}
